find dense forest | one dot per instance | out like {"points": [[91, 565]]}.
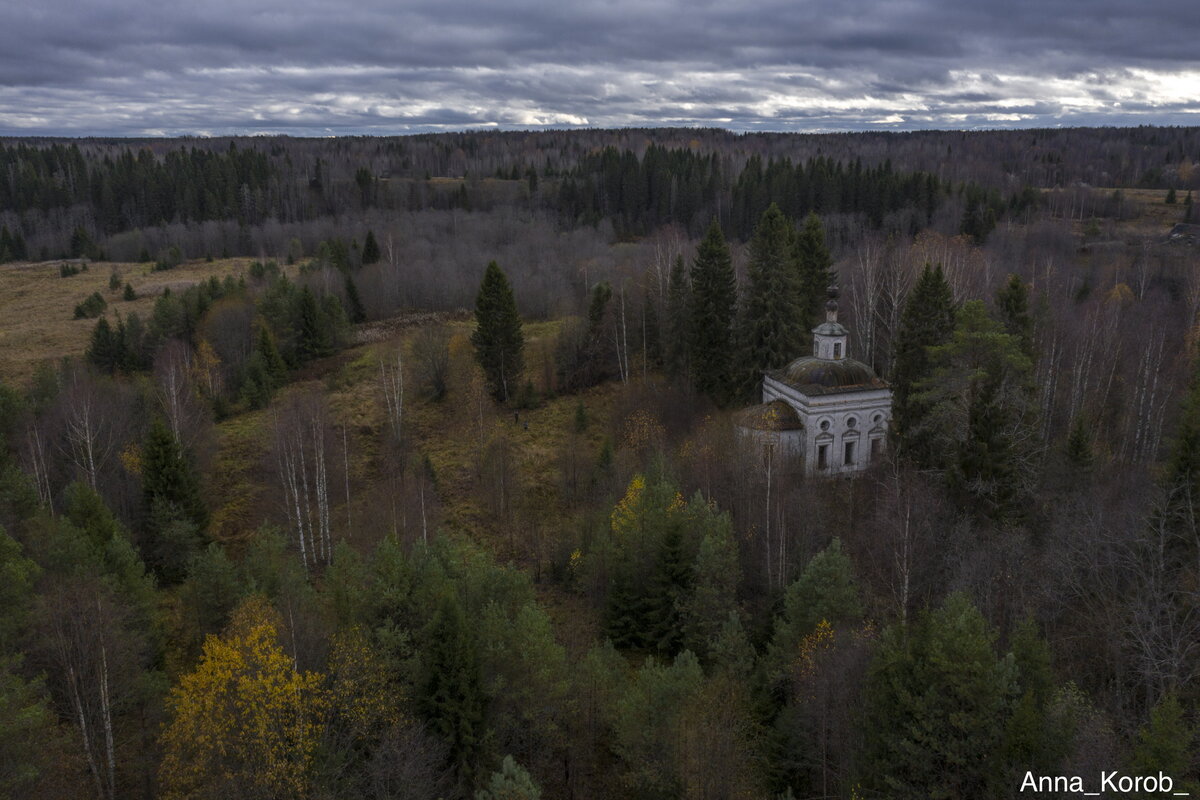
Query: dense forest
{"points": [[409, 467]]}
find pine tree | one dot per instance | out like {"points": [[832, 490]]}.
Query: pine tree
{"points": [[1171, 196], [772, 320], [816, 270], [451, 697], [1012, 302], [1187, 205], [129, 293], [498, 339], [676, 352], [713, 304], [927, 321], [370, 251]]}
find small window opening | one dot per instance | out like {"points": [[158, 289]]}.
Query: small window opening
{"points": [[849, 453], [837, 350], [876, 446], [823, 456]]}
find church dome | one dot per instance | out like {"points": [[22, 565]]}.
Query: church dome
{"points": [[823, 376]]}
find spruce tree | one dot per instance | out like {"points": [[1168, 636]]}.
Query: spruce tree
{"points": [[353, 303], [979, 394], [105, 348], [451, 697], [1012, 302], [498, 339], [772, 320], [1171, 196], [651, 332], [314, 339], [167, 474], [668, 587], [927, 321], [1079, 446], [676, 352], [174, 512], [815, 266], [370, 251], [713, 304], [937, 703], [1165, 743]]}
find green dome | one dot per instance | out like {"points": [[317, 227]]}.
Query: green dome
{"points": [[822, 376]]}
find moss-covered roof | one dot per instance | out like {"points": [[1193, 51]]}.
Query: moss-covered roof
{"points": [[776, 415], [818, 376]]}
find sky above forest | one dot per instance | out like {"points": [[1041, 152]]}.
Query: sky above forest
{"points": [[302, 67]]}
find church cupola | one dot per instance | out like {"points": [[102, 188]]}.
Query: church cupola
{"points": [[829, 338]]}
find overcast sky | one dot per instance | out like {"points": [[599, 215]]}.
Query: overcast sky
{"points": [[162, 67]]}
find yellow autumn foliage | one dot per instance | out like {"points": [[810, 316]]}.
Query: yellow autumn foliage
{"points": [[360, 693], [627, 514], [245, 717]]}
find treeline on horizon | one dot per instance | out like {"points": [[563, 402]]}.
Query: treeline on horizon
{"points": [[67, 197]]}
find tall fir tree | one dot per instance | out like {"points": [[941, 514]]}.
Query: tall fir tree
{"points": [[713, 305], [676, 349], [771, 326], [927, 321], [451, 695], [498, 339], [815, 265]]}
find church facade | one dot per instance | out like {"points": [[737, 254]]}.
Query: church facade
{"points": [[827, 410]]}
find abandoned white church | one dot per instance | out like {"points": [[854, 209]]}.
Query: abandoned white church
{"points": [[826, 410]]}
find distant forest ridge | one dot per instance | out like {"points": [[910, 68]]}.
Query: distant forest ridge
{"points": [[67, 196]]}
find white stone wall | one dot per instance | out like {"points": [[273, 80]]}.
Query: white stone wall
{"points": [[833, 421]]}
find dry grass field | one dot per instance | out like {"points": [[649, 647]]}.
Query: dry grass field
{"points": [[37, 305]]}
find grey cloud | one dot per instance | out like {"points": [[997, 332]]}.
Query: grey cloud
{"points": [[134, 66]]}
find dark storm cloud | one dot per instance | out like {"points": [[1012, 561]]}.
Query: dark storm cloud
{"points": [[300, 66]]}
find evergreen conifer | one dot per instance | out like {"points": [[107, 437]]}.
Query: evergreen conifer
{"points": [[498, 339], [370, 250], [713, 304], [927, 321], [772, 320], [816, 270], [676, 352]]}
